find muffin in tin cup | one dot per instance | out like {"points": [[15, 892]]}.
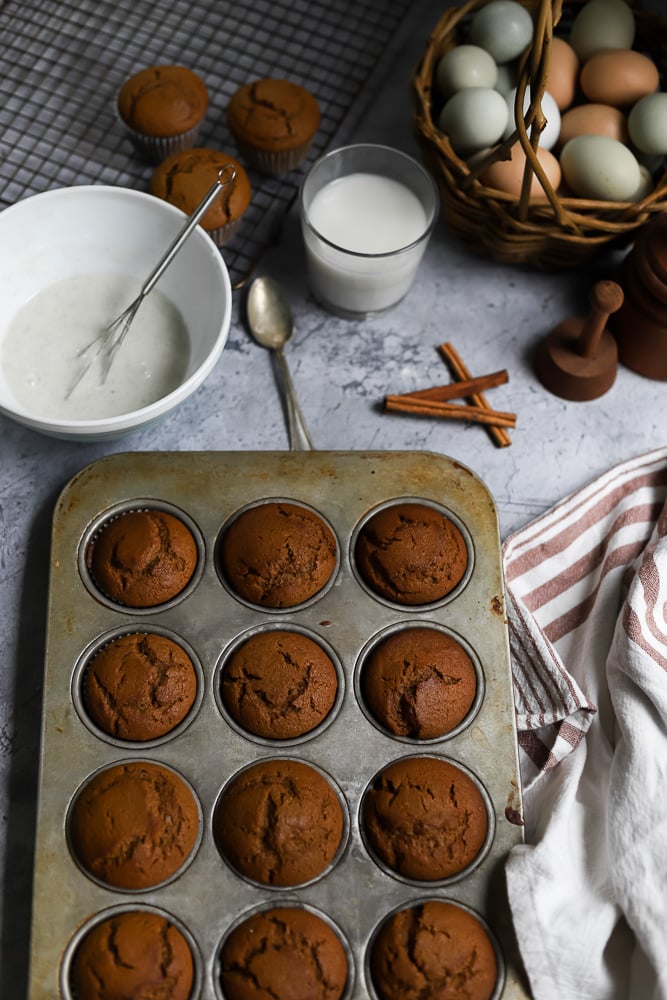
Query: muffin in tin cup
{"points": [[286, 949], [138, 686], [279, 684], [281, 823], [412, 553], [277, 554], [431, 948], [426, 819], [134, 825], [419, 682], [142, 556], [131, 952]]}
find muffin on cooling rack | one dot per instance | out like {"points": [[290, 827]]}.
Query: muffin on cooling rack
{"points": [[274, 123], [184, 178], [162, 108]]}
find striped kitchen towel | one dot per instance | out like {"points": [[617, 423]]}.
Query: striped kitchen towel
{"points": [[587, 605]]}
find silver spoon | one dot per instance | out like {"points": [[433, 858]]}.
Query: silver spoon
{"points": [[271, 324]]}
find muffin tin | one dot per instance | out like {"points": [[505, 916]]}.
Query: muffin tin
{"points": [[355, 894]]}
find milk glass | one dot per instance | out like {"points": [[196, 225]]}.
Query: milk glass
{"points": [[367, 213]]}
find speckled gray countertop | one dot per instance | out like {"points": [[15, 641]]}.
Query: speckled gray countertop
{"points": [[494, 314]]}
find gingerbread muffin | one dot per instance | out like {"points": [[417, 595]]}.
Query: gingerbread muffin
{"points": [[139, 686], [433, 951], [132, 954], [274, 122], [279, 684], [424, 818], [163, 108], [134, 825], [284, 952], [279, 822], [185, 177], [277, 554], [418, 682], [410, 553], [142, 558]]}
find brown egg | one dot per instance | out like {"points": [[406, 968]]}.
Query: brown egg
{"points": [[593, 119], [619, 77], [507, 175], [563, 73]]}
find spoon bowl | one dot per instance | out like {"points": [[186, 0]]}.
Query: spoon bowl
{"points": [[272, 325], [269, 314]]}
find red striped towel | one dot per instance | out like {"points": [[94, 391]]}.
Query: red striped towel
{"points": [[587, 605]]}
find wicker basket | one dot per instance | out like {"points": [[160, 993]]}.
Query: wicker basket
{"points": [[557, 232]]}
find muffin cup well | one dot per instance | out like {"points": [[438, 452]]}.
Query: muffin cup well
{"points": [[289, 902], [110, 912], [310, 879], [456, 876], [121, 885], [117, 511], [446, 513], [83, 664], [406, 625], [420, 901], [309, 734]]}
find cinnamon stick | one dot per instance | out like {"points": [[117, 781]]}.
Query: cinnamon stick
{"points": [[452, 411], [460, 389], [498, 435]]}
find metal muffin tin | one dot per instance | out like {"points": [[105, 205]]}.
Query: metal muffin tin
{"points": [[207, 489]]}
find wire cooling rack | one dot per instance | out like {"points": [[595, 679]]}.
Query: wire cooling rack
{"points": [[62, 62]]}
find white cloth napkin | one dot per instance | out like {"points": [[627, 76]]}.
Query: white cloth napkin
{"points": [[587, 607]]}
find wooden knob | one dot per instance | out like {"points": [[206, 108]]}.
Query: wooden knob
{"points": [[578, 360]]}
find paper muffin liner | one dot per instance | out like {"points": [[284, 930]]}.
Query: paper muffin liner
{"points": [[274, 161], [157, 148], [223, 234]]}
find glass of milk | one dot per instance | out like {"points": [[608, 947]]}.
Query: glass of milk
{"points": [[367, 212]]}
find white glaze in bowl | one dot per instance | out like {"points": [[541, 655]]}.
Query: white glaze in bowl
{"points": [[99, 229]]}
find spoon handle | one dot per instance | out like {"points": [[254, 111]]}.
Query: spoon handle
{"points": [[299, 437]]}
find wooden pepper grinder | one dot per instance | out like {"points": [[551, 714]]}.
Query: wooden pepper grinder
{"points": [[578, 360], [640, 326]]}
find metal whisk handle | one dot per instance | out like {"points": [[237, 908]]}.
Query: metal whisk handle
{"points": [[225, 176]]}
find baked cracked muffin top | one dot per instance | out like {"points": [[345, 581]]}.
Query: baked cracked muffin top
{"points": [[279, 822], [132, 954], [274, 122], [134, 825], [433, 951], [184, 178], [278, 554], [142, 558], [285, 952], [139, 686], [279, 684], [163, 100], [418, 682], [424, 818], [411, 553]]}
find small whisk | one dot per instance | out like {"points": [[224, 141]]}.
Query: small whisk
{"points": [[107, 344]]}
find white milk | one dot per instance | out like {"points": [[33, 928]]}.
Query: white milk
{"points": [[378, 228]]}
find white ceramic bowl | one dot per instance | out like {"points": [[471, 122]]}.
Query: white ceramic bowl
{"points": [[97, 229]]}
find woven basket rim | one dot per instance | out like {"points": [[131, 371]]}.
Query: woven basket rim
{"points": [[580, 225]]}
